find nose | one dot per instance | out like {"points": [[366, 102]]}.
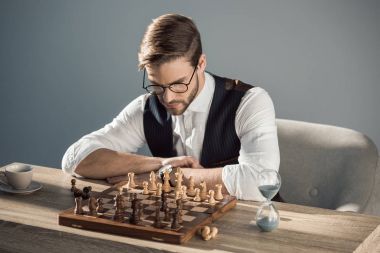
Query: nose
{"points": [[168, 96]]}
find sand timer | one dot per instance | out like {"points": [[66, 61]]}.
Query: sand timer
{"points": [[267, 216]]}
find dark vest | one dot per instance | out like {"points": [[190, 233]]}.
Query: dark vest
{"points": [[221, 145]]}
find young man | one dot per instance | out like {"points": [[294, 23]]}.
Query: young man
{"points": [[217, 129]]}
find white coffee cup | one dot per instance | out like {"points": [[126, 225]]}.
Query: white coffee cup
{"points": [[18, 176]]}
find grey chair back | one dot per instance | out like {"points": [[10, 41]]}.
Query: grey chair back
{"points": [[326, 166]]}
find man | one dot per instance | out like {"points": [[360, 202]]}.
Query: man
{"points": [[217, 129]]}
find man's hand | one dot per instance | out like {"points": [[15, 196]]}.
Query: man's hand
{"points": [[182, 161]]}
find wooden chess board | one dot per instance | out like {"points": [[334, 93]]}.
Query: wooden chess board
{"points": [[195, 215]]}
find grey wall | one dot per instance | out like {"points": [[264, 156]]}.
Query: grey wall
{"points": [[68, 67]]}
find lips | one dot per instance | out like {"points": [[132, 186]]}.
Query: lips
{"points": [[172, 106]]}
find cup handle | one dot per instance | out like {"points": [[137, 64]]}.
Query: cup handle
{"points": [[2, 174]]}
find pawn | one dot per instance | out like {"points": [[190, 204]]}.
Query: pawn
{"points": [[145, 190], [92, 206], [175, 224], [218, 194], [152, 180], [184, 192], [167, 214], [203, 193], [157, 221], [191, 191], [177, 195], [211, 199], [73, 187], [197, 198], [131, 180], [99, 205], [159, 189]]}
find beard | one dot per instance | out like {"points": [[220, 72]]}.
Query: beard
{"points": [[184, 103]]}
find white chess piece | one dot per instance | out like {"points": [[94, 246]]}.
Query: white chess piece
{"points": [[131, 180], [218, 194], [197, 198], [145, 186], [152, 180], [211, 199], [159, 189], [184, 194], [191, 191]]}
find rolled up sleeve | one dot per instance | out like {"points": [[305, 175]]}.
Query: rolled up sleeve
{"points": [[256, 128], [124, 134]]}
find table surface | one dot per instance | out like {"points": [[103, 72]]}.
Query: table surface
{"points": [[29, 223]]}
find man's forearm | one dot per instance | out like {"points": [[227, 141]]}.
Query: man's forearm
{"points": [[103, 163]]}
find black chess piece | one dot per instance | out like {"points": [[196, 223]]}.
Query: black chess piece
{"points": [[164, 200], [73, 187], [175, 223], [167, 214], [119, 211], [157, 221], [99, 205], [134, 219]]}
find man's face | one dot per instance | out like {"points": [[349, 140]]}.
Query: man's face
{"points": [[176, 71]]}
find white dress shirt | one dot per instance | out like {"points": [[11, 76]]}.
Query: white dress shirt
{"points": [[254, 124]]}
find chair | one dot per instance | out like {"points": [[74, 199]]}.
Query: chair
{"points": [[326, 166]]}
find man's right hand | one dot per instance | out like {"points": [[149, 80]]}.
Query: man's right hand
{"points": [[182, 161]]}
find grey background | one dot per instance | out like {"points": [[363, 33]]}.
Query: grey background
{"points": [[68, 67]]}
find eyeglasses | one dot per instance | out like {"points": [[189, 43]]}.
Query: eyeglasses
{"points": [[174, 87]]}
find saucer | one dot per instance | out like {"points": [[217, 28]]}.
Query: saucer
{"points": [[34, 186]]}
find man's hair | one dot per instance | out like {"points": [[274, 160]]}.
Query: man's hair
{"points": [[170, 37]]}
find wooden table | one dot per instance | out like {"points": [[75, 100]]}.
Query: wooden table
{"points": [[28, 223]]}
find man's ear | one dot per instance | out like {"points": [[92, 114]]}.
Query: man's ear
{"points": [[202, 63]]}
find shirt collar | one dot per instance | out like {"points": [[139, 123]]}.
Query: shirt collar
{"points": [[202, 102]]}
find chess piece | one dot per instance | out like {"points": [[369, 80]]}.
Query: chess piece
{"points": [[167, 214], [78, 201], [140, 210], [197, 198], [166, 185], [164, 201], [184, 192], [211, 199], [179, 179], [78, 206], [190, 191], [92, 206], [145, 186], [119, 208], [208, 233], [159, 189], [131, 180], [177, 195], [134, 219], [203, 193], [175, 224], [73, 187], [180, 210], [86, 192], [218, 194], [157, 221], [152, 180], [99, 205]]}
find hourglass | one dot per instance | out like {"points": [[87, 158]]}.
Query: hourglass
{"points": [[267, 216]]}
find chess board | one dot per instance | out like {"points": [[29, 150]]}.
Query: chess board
{"points": [[195, 215]]}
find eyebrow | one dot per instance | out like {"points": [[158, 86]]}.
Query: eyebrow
{"points": [[180, 80]]}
